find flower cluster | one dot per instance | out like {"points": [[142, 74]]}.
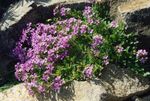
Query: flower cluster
{"points": [[48, 45], [63, 11], [50, 55], [142, 55], [57, 83], [97, 40], [88, 71], [105, 60], [88, 13], [114, 24]]}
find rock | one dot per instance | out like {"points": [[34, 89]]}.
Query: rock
{"points": [[147, 98], [114, 4], [138, 99], [82, 91], [4, 6], [16, 93], [14, 14], [136, 15], [20, 9], [6, 69], [144, 97], [114, 84], [122, 83]]}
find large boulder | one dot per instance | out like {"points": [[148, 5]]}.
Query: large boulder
{"points": [[114, 84]]}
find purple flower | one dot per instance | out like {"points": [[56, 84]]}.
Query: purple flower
{"points": [[55, 10], [30, 86], [75, 29], [87, 12], [63, 41], [63, 55], [18, 72], [45, 77], [119, 49], [64, 11], [91, 31], [114, 24], [31, 92], [97, 40], [83, 29], [142, 55], [48, 72], [52, 29], [88, 71], [90, 20], [41, 89], [71, 20], [20, 52], [105, 60], [57, 83]]}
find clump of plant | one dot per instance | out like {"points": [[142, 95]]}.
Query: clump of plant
{"points": [[74, 45]]}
